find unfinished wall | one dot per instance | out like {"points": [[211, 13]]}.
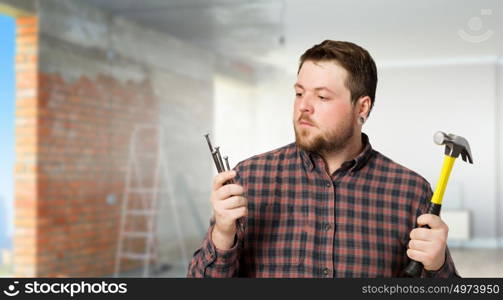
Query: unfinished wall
{"points": [[26, 146], [96, 79]]}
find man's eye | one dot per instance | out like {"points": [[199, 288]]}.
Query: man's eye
{"points": [[298, 94], [322, 98]]}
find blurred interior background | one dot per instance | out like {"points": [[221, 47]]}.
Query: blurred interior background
{"points": [[104, 104]]}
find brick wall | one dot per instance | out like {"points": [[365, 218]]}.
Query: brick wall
{"points": [[85, 79], [72, 143], [84, 133], [26, 128]]}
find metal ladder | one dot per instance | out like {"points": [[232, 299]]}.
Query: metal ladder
{"points": [[140, 204]]}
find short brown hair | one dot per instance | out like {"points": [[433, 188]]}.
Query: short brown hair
{"points": [[361, 68]]}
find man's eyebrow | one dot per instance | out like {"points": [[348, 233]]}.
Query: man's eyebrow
{"points": [[298, 85]]}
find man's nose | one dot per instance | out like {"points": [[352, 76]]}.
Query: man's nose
{"points": [[305, 103]]}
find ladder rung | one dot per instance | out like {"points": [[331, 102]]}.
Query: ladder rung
{"points": [[141, 212], [136, 234], [139, 256]]}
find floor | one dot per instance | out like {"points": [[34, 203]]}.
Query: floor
{"points": [[478, 263]]}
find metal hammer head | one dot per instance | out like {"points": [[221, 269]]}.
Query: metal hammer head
{"points": [[454, 145]]}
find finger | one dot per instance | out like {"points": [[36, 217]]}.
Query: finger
{"points": [[417, 255], [229, 190], [420, 245], [431, 220], [228, 216], [234, 202], [423, 234], [221, 178], [239, 212]]}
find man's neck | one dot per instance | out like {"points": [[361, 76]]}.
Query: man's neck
{"points": [[335, 159]]}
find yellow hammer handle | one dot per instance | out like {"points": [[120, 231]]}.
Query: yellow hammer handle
{"points": [[442, 181]]}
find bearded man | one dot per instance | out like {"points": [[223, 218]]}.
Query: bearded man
{"points": [[328, 205]]}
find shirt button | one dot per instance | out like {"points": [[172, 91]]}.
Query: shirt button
{"points": [[329, 184], [325, 271], [328, 227]]}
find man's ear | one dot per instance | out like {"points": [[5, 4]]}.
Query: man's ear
{"points": [[363, 106]]}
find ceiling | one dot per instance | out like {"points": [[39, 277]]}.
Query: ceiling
{"points": [[278, 31], [234, 27]]}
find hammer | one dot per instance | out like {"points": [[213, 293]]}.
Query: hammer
{"points": [[454, 146]]}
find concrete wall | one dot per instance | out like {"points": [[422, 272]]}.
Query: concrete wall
{"points": [[95, 77], [157, 79]]}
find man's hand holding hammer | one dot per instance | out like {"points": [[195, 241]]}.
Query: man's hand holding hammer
{"points": [[428, 242], [427, 245]]}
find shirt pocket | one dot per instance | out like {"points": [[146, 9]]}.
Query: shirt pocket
{"points": [[280, 235]]}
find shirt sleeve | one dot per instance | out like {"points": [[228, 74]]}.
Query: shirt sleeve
{"points": [[208, 261], [446, 271]]}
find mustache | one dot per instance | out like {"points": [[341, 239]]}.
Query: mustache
{"points": [[305, 118]]}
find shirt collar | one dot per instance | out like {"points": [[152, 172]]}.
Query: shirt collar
{"points": [[352, 165]]}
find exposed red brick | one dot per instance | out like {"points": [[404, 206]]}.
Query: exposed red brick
{"points": [[72, 142], [26, 21], [23, 29]]}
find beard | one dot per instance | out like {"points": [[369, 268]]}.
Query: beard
{"points": [[324, 142]]}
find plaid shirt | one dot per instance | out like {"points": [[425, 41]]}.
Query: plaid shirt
{"points": [[304, 222]]}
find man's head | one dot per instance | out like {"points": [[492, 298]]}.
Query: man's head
{"points": [[335, 92], [362, 72]]}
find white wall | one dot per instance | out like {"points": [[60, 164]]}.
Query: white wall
{"points": [[499, 158], [252, 118], [234, 122], [275, 96], [413, 102]]}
